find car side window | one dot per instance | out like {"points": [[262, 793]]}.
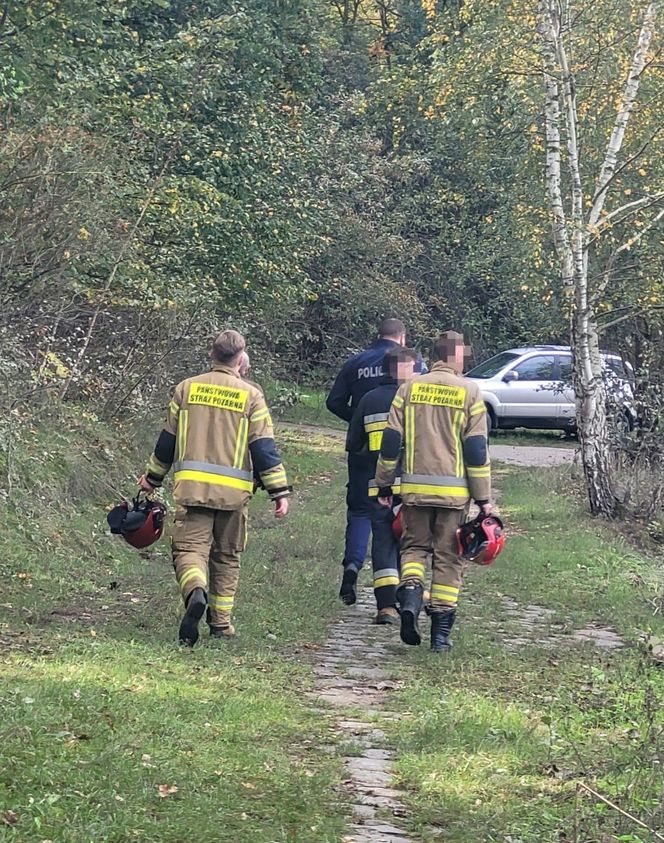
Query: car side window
{"points": [[538, 368], [565, 369]]}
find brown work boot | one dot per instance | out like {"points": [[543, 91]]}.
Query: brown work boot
{"points": [[386, 617], [222, 631]]}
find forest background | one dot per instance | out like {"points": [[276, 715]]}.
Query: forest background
{"points": [[298, 169]]}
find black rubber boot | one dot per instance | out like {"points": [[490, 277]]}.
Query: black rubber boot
{"points": [[348, 591], [196, 605], [410, 599], [441, 628]]}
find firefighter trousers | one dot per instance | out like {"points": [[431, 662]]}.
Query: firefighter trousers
{"points": [[207, 544], [430, 531], [384, 555]]}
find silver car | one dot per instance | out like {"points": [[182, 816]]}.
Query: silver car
{"points": [[532, 387]]}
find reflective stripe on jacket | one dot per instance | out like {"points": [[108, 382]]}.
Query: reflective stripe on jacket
{"points": [[437, 427], [218, 428]]}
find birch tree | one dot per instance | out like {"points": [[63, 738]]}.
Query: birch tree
{"points": [[579, 216]]}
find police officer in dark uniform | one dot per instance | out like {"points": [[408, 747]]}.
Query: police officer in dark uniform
{"points": [[365, 436], [360, 375]]}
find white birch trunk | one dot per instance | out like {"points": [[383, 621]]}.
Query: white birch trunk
{"points": [[573, 248]]}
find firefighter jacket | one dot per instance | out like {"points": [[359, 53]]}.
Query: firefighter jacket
{"points": [[218, 432], [365, 433], [438, 423]]}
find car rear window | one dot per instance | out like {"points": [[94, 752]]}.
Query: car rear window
{"points": [[493, 365], [617, 366]]}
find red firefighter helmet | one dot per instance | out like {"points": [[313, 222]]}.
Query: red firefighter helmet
{"points": [[140, 523], [397, 524], [481, 539]]}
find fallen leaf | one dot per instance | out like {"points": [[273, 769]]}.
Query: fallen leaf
{"points": [[165, 790], [249, 785], [10, 818]]}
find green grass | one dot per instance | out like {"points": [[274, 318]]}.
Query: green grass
{"points": [[108, 731], [491, 741], [542, 438]]}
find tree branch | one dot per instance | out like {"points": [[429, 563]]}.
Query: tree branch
{"points": [[622, 118], [632, 207], [553, 143]]}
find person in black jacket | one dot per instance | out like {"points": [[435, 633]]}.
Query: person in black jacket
{"points": [[359, 375], [364, 440]]}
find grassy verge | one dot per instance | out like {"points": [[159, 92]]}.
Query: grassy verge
{"points": [[107, 730], [493, 740], [541, 438]]}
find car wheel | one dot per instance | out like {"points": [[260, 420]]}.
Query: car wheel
{"points": [[492, 423]]}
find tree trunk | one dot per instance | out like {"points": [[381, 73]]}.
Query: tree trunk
{"points": [[591, 418], [571, 232]]}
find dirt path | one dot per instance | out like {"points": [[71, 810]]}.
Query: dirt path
{"points": [[356, 671], [523, 455], [359, 667]]}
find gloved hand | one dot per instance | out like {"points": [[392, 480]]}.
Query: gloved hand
{"points": [[145, 484]]}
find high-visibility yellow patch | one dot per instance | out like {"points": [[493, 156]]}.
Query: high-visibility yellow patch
{"points": [[218, 601], [375, 440], [439, 395], [412, 569], [214, 479], [439, 589], [379, 582], [477, 408], [192, 574], [241, 443], [438, 491], [183, 427], [481, 471], [221, 397], [388, 464], [260, 415]]}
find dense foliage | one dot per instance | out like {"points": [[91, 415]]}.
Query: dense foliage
{"points": [[297, 168]]}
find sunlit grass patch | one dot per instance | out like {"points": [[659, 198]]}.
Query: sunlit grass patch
{"points": [[108, 730], [493, 738]]}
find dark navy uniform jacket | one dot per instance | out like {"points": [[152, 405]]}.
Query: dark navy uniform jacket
{"points": [[358, 376], [365, 434], [370, 420]]}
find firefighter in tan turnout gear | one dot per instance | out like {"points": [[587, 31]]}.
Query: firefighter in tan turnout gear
{"points": [[437, 430], [218, 433]]}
